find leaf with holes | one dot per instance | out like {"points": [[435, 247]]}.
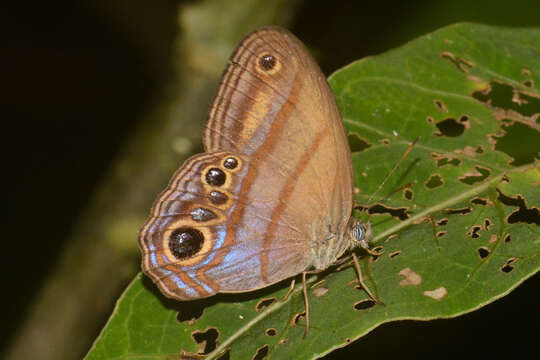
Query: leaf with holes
{"points": [[457, 222]]}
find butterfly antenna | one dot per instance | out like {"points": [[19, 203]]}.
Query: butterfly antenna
{"points": [[394, 169]]}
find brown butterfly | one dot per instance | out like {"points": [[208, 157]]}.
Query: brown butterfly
{"points": [[272, 195]]}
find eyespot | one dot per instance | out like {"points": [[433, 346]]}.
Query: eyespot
{"points": [[267, 62], [230, 163], [185, 242], [215, 176], [202, 214], [218, 197]]}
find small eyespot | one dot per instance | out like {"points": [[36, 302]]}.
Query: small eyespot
{"points": [[267, 62], [215, 177], [230, 163], [218, 197], [202, 214], [185, 242]]}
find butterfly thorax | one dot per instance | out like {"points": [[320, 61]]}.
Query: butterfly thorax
{"points": [[329, 245], [328, 249]]}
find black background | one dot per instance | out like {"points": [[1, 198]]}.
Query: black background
{"points": [[74, 86]]}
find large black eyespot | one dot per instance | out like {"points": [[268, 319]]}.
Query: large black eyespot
{"points": [[185, 242], [215, 177], [230, 163], [267, 62], [218, 197], [202, 214]]}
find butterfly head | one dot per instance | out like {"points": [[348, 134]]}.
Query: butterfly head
{"points": [[360, 233]]}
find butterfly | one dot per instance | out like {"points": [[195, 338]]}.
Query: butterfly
{"points": [[272, 195]]}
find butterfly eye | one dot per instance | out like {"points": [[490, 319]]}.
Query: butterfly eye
{"points": [[230, 163], [359, 233], [215, 177], [218, 198], [185, 242], [267, 62]]}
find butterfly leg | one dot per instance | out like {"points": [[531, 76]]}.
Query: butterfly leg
{"points": [[306, 302], [362, 284], [291, 288]]}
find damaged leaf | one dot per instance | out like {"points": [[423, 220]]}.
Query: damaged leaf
{"points": [[478, 87]]}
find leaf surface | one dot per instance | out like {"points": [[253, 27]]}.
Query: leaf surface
{"points": [[457, 220]]}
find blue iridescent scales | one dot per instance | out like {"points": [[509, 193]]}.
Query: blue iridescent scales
{"points": [[272, 195]]}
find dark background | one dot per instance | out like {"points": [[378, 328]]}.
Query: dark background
{"points": [[76, 81]]}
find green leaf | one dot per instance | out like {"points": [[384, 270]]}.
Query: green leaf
{"points": [[460, 232]]}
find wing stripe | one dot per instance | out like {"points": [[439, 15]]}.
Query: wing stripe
{"points": [[284, 194]]}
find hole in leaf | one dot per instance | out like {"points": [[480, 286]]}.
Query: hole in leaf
{"points": [[394, 254], [442, 222], [528, 83], [522, 214], [487, 223], [347, 340], [206, 340], [448, 161], [283, 341], [408, 194], [461, 211], [271, 332], [364, 305], [474, 231], [261, 353], [440, 234], [520, 141], [479, 201], [440, 105], [444, 159], [356, 143], [451, 127], [399, 213], [503, 96], [508, 267], [507, 238], [264, 303], [434, 181], [296, 318], [476, 177], [190, 312], [483, 252]]}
